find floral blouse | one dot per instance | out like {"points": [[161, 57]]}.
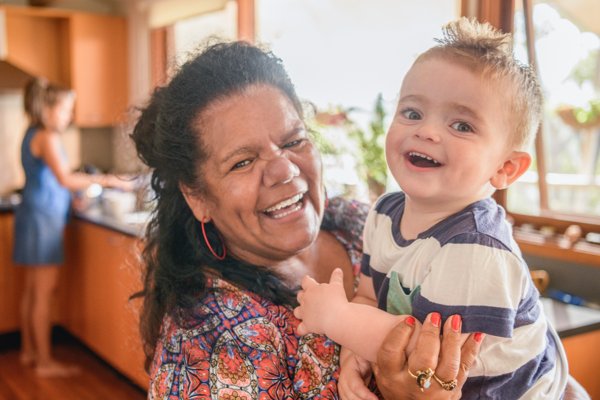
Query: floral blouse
{"points": [[244, 347]]}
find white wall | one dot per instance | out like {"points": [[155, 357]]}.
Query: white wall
{"points": [[13, 124]]}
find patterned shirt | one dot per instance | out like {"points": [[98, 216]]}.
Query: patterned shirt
{"points": [[243, 347], [469, 264]]}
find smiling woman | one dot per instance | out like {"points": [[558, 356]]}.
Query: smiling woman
{"points": [[241, 217]]}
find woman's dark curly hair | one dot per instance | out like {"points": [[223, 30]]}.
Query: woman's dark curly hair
{"points": [[168, 139]]}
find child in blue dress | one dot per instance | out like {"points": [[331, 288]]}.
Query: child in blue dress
{"points": [[41, 217]]}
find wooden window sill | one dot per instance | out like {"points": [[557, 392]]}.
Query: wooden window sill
{"points": [[536, 244]]}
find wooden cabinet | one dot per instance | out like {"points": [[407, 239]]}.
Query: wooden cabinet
{"points": [[100, 275], [86, 52], [36, 42], [92, 300], [99, 69], [583, 354], [11, 278]]}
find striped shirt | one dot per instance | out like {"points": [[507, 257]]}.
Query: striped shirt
{"points": [[469, 264]]}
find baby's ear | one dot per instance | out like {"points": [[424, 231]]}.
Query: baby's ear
{"points": [[511, 170], [196, 203]]}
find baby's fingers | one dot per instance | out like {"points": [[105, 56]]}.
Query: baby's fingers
{"points": [[308, 282], [302, 330], [351, 386], [360, 392], [298, 312], [299, 296], [337, 276]]}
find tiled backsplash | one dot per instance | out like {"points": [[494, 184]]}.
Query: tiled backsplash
{"points": [[13, 124]]}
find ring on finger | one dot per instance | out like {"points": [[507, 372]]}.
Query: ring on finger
{"points": [[449, 385], [423, 377]]}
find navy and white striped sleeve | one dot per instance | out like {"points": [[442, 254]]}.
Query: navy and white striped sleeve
{"points": [[370, 228], [475, 276]]}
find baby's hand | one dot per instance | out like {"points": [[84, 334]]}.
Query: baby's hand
{"points": [[319, 303], [355, 374]]}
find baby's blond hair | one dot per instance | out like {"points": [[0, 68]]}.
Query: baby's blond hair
{"points": [[488, 52]]}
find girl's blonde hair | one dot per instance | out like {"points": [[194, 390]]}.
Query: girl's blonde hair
{"points": [[39, 93], [489, 52]]}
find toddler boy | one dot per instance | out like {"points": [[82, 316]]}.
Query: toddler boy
{"points": [[467, 113]]}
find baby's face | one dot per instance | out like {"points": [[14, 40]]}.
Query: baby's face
{"points": [[449, 134]]}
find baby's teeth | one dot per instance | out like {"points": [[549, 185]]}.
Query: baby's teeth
{"points": [[414, 153]]}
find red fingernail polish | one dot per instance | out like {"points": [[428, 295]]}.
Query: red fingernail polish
{"points": [[456, 322], [410, 321], [435, 319], [478, 337]]}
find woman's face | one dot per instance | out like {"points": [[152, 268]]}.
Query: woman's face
{"points": [[263, 176]]}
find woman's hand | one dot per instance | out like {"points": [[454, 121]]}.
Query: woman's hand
{"points": [[451, 362]]}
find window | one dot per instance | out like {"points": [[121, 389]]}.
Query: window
{"points": [[567, 52], [551, 212]]}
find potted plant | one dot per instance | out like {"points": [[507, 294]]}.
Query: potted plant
{"points": [[372, 164]]}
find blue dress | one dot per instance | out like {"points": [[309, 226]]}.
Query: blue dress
{"points": [[41, 217]]}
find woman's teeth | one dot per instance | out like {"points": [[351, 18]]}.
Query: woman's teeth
{"points": [[285, 203], [414, 153], [296, 208]]}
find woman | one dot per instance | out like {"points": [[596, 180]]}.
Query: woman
{"points": [[241, 217], [41, 217]]}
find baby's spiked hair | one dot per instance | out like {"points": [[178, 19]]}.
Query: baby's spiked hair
{"points": [[488, 52]]}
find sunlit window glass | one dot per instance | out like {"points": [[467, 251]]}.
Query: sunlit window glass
{"points": [[567, 46]]}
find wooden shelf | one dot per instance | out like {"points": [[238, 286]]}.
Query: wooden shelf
{"points": [[534, 243]]}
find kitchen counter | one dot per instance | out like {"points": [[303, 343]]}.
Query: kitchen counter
{"points": [[570, 320], [5, 208], [9, 202], [95, 216]]}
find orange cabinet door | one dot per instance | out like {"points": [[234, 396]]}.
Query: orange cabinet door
{"points": [[102, 276], [36, 42], [99, 69], [11, 278], [583, 355]]}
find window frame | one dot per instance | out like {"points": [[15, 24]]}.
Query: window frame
{"points": [[500, 14]]}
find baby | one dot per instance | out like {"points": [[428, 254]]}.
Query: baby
{"points": [[467, 113]]}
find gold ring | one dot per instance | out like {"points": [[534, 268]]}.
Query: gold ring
{"points": [[423, 377], [448, 386]]}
